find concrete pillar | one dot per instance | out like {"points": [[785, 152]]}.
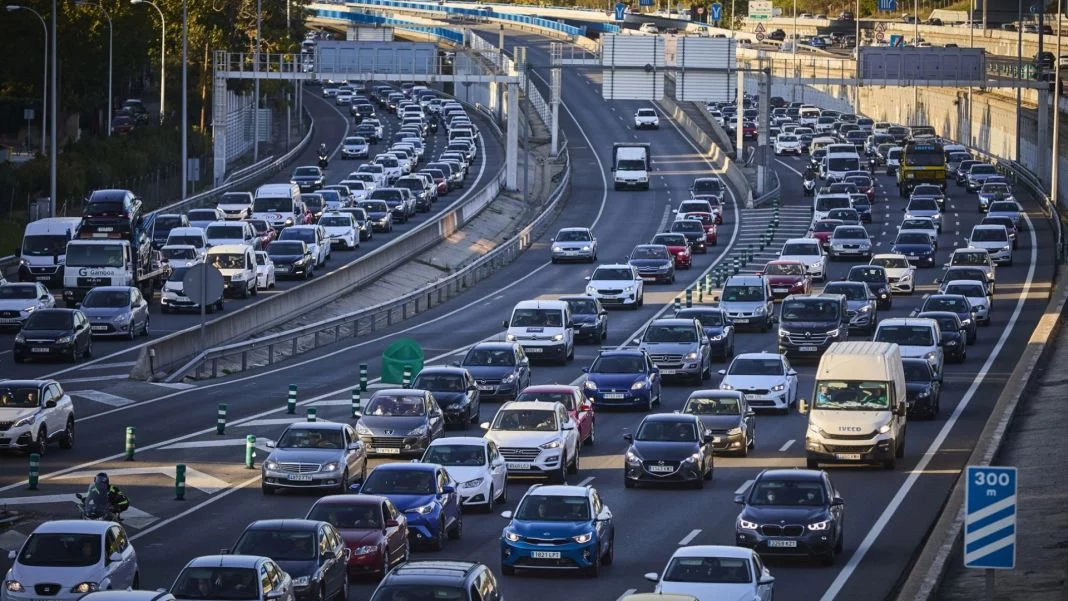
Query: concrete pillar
{"points": [[511, 146], [1042, 141], [556, 78], [763, 124]]}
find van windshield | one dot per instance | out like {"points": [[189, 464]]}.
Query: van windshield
{"points": [[810, 310], [855, 395], [826, 203], [537, 318], [94, 255], [630, 165], [272, 205], [228, 261], [44, 245], [743, 294]]}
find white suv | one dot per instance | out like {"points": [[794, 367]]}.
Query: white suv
{"points": [[36, 412], [646, 118], [617, 285], [809, 252], [536, 438], [341, 229]]}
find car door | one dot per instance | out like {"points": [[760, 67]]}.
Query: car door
{"points": [[791, 380], [570, 430], [497, 466], [583, 417], [81, 330], [522, 367], [355, 459], [450, 503], [45, 297], [138, 309], [748, 416], [602, 520], [397, 535], [764, 592], [435, 416], [279, 581], [328, 561], [654, 377], [473, 394], [52, 422]]}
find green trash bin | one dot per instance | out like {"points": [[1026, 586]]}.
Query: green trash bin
{"points": [[402, 353]]}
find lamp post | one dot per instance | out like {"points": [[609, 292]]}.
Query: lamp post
{"points": [[793, 47], [1055, 172], [111, 39], [256, 68], [185, 98], [44, 83], [162, 55]]}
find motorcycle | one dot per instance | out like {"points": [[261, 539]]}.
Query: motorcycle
{"points": [[433, 126], [809, 185], [323, 160], [873, 164], [91, 508]]}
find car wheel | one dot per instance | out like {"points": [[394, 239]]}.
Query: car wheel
{"points": [[267, 489], [41, 444], [574, 467], [610, 554], [457, 529], [840, 543], [488, 507], [439, 539], [133, 330], [504, 494], [88, 354], [343, 592], [244, 292], [595, 568], [592, 438], [343, 486], [67, 440], [145, 331], [560, 475], [628, 483], [828, 558]]}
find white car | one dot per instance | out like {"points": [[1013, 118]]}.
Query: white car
{"points": [[181, 255], [787, 143], [354, 147], [202, 218], [994, 239], [19, 300], [477, 466], [377, 172], [312, 235], [266, 276], [766, 380], [648, 28], [646, 118], [708, 572], [392, 167], [975, 292], [809, 252], [617, 285], [341, 229], [917, 337], [920, 224], [358, 188], [343, 98], [222, 233], [37, 412], [69, 558], [535, 438], [899, 271]]}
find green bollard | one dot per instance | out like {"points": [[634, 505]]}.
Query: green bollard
{"points": [[708, 282], [357, 402], [179, 482], [406, 379], [250, 451], [220, 422], [678, 304], [313, 413], [701, 295], [35, 471], [689, 297], [291, 400], [131, 442], [363, 377]]}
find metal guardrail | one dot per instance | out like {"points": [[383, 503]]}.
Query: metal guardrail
{"points": [[470, 12], [442, 33]]}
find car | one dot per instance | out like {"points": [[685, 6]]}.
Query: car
{"points": [[163, 224], [699, 572], [925, 225], [426, 494], [291, 258], [589, 317], [899, 271], [865, 185], [400, 421], [678, 347], [994, 239], [315, 204], [476, 466], [646, 118], [202, 218], [993, 191], [915, 247], [810, 252], [266, 275], [694, 230], [678, 246], [717, 327], [54, 332], [572, 521], [821, 230], [954, 334], [308, 178], [924, 206], [379, 214], [116, 311], [726, 414], [791, 512], [113, 595], [19, 300], [451, 579], [500, 369], [314, 236], [974, 258], [787, 143], [649, 28], [923, 388], [877, 280], [862, 206], [181, 255], [977, 175], [455, 391], [355, 147], [916, 337], [748, 300], [579, 408], [787, 277], [708, 188], [669, 448], [848, 216], [341, 230], [314, 455], [312, 552], [226, 576], [930, 191], [975, 292], [264, 232], [574, 243], [766, 379], [708, 222], [37, 412], [373, 529], [536, 438], [65, 559], [862, 303], [1006, 208], [616, 285], [623, 377], [953, 303], [655, 263]]}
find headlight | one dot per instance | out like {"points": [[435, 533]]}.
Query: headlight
{"points": [[20, 338], [760, 310], [815, 429], [120, 318], [64, 340], [783, 332], [735, 430], [512, 536], [29, 309], [632, 457], [552, 444], [884, 429], [421, 430], [330, 467], [716, 337], [590, 385], [691, 356], [14, 586], [270, 464], [1006, 248], [629, 289], [725, 386], [931, 356], [509, 378], [509, 337], [362, 430], [923, 394], [364, 550], [693, 458], [747, 525], [423, 509], [778, 388], [951, 343], [865, 309], [84, 587], [474, 483], [557, 249], [301, 581], [583, 538], [819, 526], [585, 248], [591, 290], [833, 333], [905, 278], [965, 322], [289, 221], [558, 337], [26, 421], [640, 384]]}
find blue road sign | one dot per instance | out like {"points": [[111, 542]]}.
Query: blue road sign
{"points": [[717, 11], [897, 40], [888, 5], [621, 9], [990, 518], [646, 2]]}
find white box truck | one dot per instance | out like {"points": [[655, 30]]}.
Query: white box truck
{"points": [[631, 165]]}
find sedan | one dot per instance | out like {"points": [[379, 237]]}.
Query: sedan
{"points": [[787, 143], [654, 263], [455, 391], [899, 271], [924, 207], [476, 465], [766, 379], [400, 421], [117, 311], [694, 231], [500, 369], [311, 552], [954, 334], [714, 572], [678, 246], [54, 333], [975, 292], [923, 389], [787, 277], [331, 450], [371, 526], [708, 221], [915, 247], [19, 300], [589, 317], [202, 218], [953, 303], [625, 377], [850, 241], [355, 147], [862, 305], [250, 577], [876, 279], [727, 415], [668, 448]]}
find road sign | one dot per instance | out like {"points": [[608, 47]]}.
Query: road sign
{"points": [[646, 2], [700, 10], [888, 5], [759, 28], [897, 40], [990, 518], [717, 11], [213, 284], [621, 9], [880, 27], [760, 10], [880, 36], [760, 37]]}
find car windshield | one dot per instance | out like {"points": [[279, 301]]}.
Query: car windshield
{"points": [[707, 318], [670, 239], [650, 252], [280, 248], [906, 335], [922, 204], [396, 406], [755, 367], [795, 493], [490, 357], [970, 258], [850, 233], [537, 318], [526, 420], [21, 398], [356, 516], [663, 431], [783, 139], [743, 293], [311, 438], [917, 371], [618, 364], [106, 298], [827, 203], [387, 194], [821, 226], [44, 245], [567, 399], [612, 273], [553, 508], [49, 320], [573, 236], [852, 394], [61, 550], [968, 290], [440, 382], [687, 225], [917, 224], [582, 306], [784, 269], [867, 274], [989, 235], [995, 188], [328, 221], [1004, 207], [925, 190], [180, 254], [306, 172], [726, 405], [707, 186], [18, 292], [809, 309], [202, 215], [94, 255], [419, 592], [217, 584], [892, 262], [980, 169], [459, 455], [710, 570], [646, 113], [947, 303], [670, 333], [375, 207], [355, 141], [400, 482], [228, 261], [859, 181], [314, 202], [912, 238], [279, 545], [302, 234]]}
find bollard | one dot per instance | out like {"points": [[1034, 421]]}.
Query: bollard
{"points": [[313, 413], [701, 294], [250, 451], [689, 297], [220, 422], [35, 471], [356, 402], [291, 400], [179, 482], [406, 378], [708, 282], [131, 442], [363, 377]]}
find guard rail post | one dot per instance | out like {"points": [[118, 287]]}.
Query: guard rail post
{"points": [[131, 442], [220, 422], [313, 414], [363, 374], [35, 471], [357, 402]]}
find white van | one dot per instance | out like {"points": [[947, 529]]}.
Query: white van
{"points": [[44, 248], [859, 409], [835, 165], [543, 328], [237, 264], [277, 204], [193, 236], [808, 115]]}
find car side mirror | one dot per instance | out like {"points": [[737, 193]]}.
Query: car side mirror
{"points": [[627, 436], [484, 425], [802, 406], [505, 323], [12, 554], [721, 372], [269, 444], [115, 557], [506, 515], [750, 413], [766, 581], [587, 278], [652, 577], [392, 523], [355, 446], [792, 372], [837, 502], [448, 489], [569, 425], [50, 404], [224, 551]]}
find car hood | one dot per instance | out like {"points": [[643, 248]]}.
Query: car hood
{"points": [[1014, 215], [35, 261], [448, 399], [537, 529], [100, 313], [743, 306], [610, 284], [913, 388], [337, 230], [18, 304], [44, 334], [639, 263], [721, 592], [305, 178], [490, 372], [574, 244], [376, 215], [808, 260], [584, 317], [305, 455], [784, 280], [668, 347], [200, 224], [389, 425], [720, 423], [14, 414], [857, 305], [988, 244], [875, 286], [783, 513], [907, 350], [931, 213], [614, 380], [222, 241], [713, 331], [67, 577], [408, 502], [898, 272], [358, 537], [285, 259], [511, 438], [665, 451], [466, 473], [745, 383], [298, 567]]}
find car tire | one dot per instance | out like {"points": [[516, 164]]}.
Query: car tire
{"points": [[41, 444], [146, 331], [439, 541], [343, 592], [266, 489], [592, 438], [504, 494], [610, 554], [244, 292], [66, 441], [488, 506], [574, 467], [560, 475], [457, 529], [133, 331], [88, 353], [595, 569], [507, 570], [839, 545], [343, 486], [827, 559]]}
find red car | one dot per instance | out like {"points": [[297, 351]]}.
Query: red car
{"points": [[678, 247], [864, 186], [787, 277], [440, 180], [822, 230], [708, 220], [749, 129], [264, 232], [374, 530], [573, 399]]}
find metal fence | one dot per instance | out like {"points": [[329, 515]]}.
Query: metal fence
{"points": [[441, 33]]}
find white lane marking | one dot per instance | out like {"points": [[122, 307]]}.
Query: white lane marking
{"points": [[175, 385], [689, 537], [195, 478], [261, 443], [131, 517], [895, 503], [789, 167], [111, 365], [195, 508], [744, 487], [66, 381], [586, 481], [789, 443], [102, 397]]}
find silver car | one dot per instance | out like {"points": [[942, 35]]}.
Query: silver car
{"points": [[321, 455], [574, 243], [116, 311], [678, 347], [249, 577], [19, 300]]}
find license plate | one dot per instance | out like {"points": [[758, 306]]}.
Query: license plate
{"points": [[785, 544], [518, 466], [105, 229], [615, 395], [716, 440], [100, 328], [780, 289], [486, 388], [808, 349], [914, 256], [740, 319], [848, 456], [545, 554], [299, 477], [39, 349], [668, 372], [43, 278], [386, 451], [532, 349], [661, 468]]}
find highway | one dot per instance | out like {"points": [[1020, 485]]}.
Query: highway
{"points": [[887, 513], [113, 357]]}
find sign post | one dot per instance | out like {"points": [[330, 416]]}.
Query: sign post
{"points": [[990, 521], [759, 31], [888, 6]]}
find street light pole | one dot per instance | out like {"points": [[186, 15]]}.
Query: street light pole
{"points": [[53, 185], [44, 82], [162, 55], [185, 98], [111, 39], [793, 47], [1056, 169], [256, 68]]}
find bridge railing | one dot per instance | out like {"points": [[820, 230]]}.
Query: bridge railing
{"points": [[480, 13]]}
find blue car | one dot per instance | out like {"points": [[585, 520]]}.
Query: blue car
{"points": [[917, 248], [427, 496], [717, 326], [591, 319], [500, 369], [558, 526], [654, 263], [623, 378]]}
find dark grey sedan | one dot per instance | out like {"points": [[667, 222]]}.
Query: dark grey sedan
{"points": [[727, 414], [400, 421], [116, 311]]}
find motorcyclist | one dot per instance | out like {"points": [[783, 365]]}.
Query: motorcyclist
{"points": [[322, 150], [117, 500], [873, 162]]}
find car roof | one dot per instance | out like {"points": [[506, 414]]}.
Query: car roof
{"points": [[560, 490], [574, 229], [348, 499], [806, 240], [673, 321], [541, 304], [672, 418], [910, 321], [399, 392], [228, 248], [889, 256], [962, 283], [708, 393], [935, 315], [317, 425], [745, 279], [471, 440], [625, 352], [796, 474], [433, 571], [758, 355], [443, 370], [519, 405], [225, 561], [551, 388], [496, 344], [73, 527], [713, 551], [284, 524], [418, 467], [614, 265]]}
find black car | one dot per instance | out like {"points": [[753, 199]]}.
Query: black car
{"points": [[778, 35], [954, 334], [501, 369], [589, 317], [291, 258], [876, 279], [961, 272], [862, 305], [368, 132], [668, 448], [930, 191], [54, 333], [923, 389], [451, 580], [953, 303], [654, 263], [311, 552], [791, 512], [718, 327], [379, 213], [308, 178], [162, 226], [694, 231], [108, 211], [455, 391], [727, 414]]}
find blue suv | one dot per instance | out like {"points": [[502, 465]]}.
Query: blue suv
{"points": [[623, 378], [558, 526], [427, 496]]}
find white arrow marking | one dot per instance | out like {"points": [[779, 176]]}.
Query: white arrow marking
{"points": [[195, 478]]}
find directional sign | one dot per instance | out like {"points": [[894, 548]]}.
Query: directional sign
{"points": [[717, 11], [888, 5], [760, 10], [646, 2], [990, 518], [897, 40], [621, 9]]}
